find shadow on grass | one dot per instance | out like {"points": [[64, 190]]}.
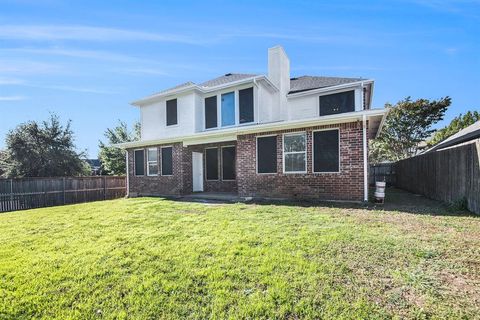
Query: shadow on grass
{"points": [[396, 200]]}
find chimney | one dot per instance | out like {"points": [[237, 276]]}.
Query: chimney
{"points": [[279, 69]]}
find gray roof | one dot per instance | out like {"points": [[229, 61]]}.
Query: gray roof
{"points": [[305, 83], [179, 86], [226, 78], [469, 133]]}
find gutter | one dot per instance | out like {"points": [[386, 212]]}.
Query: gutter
{"points": [[259, 128], [327, 89]]}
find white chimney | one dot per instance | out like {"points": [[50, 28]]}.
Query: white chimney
{"points": [[279, 69], [279, 75]]}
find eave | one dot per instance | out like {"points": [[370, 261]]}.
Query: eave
{"points": [[231, 134]]}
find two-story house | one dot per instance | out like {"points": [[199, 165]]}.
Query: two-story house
{"points": [[268, 136]]}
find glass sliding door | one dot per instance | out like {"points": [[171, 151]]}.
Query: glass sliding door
{"points": [[228, 109]]}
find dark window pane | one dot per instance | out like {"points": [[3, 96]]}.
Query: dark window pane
{"points": [[171, 112], [211, 112], [228, 163], [139, 162], [212, 163], [167, 163], [245, 97], [326, 151], [267, 154], [337, 103]]}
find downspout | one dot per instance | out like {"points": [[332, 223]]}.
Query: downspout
{"points": [[128, 175], [365, 160]]}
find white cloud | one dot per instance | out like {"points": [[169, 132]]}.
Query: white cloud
{"points": [[28, 67], [75, 53], [87, 33], [12, 98]]}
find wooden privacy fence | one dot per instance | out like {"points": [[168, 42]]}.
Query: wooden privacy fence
{"points": [[27, 193], [448, 175], [382, 172]]}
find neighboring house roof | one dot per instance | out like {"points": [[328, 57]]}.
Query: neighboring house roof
{"points": [[226, 78], [94, 162], [305, 83], [469, 133]]}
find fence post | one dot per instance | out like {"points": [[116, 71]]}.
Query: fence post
{"points": [[105, 188], [64, 191], [11, 194]]}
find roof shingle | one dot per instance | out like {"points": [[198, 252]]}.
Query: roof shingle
{"points": [[305, 83]]}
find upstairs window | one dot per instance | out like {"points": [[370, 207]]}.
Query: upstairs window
{"points": [[172, 112], [211, 112], [167, 161], [245, 101], [267, 154], [337, 103], [326, 148], [295, 153], [228, 163], [139, 162], [211, 160], [152, 161], [228, 109]]}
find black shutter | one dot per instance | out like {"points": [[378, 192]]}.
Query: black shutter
{"points": [[326, 151], [167, 163], [228, 163], [211, 112], [267, 154], [172, 112], [245, 97], [337, 103], [211, 156], [139, 162]]}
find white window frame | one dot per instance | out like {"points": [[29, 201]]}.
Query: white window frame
{"points": [[221, 162], [152, 162], [339, 153], [135, 162], [161, 162], [335, 92], [304, 133], [237, 123], [165, 123], [204, 113], [256, 154], [219, 165]]}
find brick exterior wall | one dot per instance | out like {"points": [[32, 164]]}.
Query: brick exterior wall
{"points": [[346, 185], [181, 181]]}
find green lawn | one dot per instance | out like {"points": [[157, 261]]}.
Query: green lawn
{"points": [[151, 258]]}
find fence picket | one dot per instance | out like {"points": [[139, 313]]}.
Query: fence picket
{"points": [[28, 193]]}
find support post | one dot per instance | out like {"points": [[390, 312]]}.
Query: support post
{"points": [[365, 160]]}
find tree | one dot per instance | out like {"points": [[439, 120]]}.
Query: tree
{"points": [[113, 158], [43, 149], [458, 123], [406, 126]]}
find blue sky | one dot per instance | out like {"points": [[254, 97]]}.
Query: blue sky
{"points": [[86, 60]]}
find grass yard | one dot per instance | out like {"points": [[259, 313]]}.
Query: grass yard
{"points": [[151, 258]]}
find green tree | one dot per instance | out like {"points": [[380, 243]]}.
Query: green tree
{"points": [[458, 123], [43, 149], [408, 124], [113, 158]]}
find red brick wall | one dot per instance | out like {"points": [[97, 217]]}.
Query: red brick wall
{"points": [[158, 185], [346, 185], [181, 180]]}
